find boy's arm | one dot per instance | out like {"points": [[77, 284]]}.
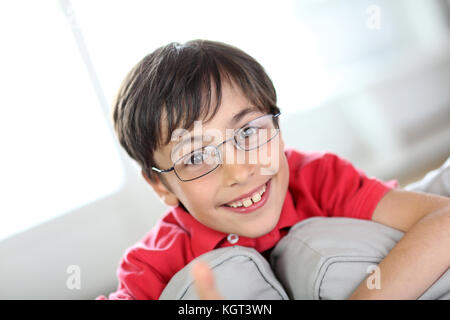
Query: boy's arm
{"points": [[422, 255]]}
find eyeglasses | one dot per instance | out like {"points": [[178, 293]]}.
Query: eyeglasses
{"points": [[202, 161]]}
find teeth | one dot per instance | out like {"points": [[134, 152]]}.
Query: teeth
{"points": [[249, 201], [256, 197]]}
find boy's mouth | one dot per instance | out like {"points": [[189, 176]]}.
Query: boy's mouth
{"points": [[250, 201]]}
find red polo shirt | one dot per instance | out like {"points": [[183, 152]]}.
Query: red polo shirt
{"points": [[320, 184]]}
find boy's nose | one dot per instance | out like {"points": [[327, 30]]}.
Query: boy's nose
{"points": [[237, 173], [237, 169]]}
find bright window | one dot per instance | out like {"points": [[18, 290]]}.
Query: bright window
{"points": [[57, 152]]}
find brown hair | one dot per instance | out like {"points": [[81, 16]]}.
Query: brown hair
{"points": [[175, 82]]}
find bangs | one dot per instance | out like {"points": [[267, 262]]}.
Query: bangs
{"points": [[195, 92]]}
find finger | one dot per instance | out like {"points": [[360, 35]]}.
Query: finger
{"points": [[204, 282]]}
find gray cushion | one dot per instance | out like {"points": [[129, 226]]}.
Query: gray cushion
{"points": [[327, 258], [241, 273]]}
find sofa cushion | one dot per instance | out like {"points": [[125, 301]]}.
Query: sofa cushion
{"points": [[327, 258], [240, 273]]}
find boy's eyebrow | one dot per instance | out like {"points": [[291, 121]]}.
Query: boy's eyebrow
{"points": [[233, 121], [241, 114]]}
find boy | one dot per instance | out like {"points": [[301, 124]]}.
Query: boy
{"points": [[232, 182]]}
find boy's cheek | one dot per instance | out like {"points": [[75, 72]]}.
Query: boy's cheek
{"points": [[271, 157]]}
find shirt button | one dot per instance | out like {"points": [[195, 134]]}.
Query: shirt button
{"points": [[233, 238]]}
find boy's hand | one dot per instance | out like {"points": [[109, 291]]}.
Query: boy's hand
{"points": [[204, 282]]}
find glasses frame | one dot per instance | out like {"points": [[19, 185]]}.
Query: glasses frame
{"points": [[218, 151]]}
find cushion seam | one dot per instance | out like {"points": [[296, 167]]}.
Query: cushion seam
{"points": [[309, 247], [358, 259]]}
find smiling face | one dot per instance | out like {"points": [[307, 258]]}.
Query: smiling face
{"points": [[204, 197]]}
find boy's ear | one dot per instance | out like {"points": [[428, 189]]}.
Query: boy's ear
{"points": [[166, 196]]}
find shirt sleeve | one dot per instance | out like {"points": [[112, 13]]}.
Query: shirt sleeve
{"points": [[147, 267], [138, 279], [345, 191]]}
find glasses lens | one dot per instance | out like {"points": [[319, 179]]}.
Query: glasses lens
{"points": [[197, 163], [204, 160], [257, 133]]}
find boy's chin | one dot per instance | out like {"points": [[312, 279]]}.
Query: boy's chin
{"points": [[261, 231]]}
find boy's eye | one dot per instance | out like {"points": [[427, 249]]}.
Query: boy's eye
{"points": [[196, 158], [248, 132]]}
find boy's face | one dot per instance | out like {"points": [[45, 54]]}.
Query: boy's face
{"points": [[204, 197]]}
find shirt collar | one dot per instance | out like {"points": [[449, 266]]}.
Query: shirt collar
{"points": [[203, 238]]}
